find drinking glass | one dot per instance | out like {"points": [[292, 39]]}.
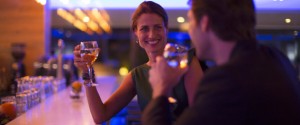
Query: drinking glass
{"points": [[176, 55], [89, 53]]}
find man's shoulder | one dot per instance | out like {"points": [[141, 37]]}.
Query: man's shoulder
{"points": [[223, 72], [219, 79]]}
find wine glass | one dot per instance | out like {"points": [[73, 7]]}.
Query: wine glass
{"points": [[176, 55], [89, 52]]}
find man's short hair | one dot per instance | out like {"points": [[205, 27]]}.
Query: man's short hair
{"points": [[229, 19]]}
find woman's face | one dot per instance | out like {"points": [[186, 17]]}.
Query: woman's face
{"points": [[151, 33]]}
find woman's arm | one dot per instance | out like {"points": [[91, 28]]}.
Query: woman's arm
{"points": [[192, 79], [120, 98]]}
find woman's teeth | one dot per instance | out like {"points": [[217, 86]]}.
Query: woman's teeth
{"points": [[152, 42]]}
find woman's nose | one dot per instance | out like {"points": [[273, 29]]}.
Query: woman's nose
{"points": [[152, 33]]}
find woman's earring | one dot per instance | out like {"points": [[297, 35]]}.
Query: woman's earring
{"points": [[137, 42]]}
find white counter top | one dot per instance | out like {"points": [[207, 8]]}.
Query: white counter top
{"points": [[60, 109]]}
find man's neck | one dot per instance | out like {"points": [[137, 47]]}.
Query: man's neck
{"points": [[222, 51]]}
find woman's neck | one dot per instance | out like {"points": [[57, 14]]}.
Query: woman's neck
{"points": [[152, 57]]}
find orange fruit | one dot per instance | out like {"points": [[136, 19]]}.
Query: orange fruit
{"points": [[76, 85], [9, 109]]}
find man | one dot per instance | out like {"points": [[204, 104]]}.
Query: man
{"points": [[251, 84]]}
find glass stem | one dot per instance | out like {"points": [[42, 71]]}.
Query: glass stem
{"points": [[90, 73]]}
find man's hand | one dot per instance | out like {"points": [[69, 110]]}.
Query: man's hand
{"points": [[163, 77]]}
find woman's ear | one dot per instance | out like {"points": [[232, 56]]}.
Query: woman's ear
{"points": [[135, 33], [135, 37]]}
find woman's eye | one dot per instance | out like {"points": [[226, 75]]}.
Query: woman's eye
{"points": [[144, 29], [158, 27]]}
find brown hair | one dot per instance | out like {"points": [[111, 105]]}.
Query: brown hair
{"points": [[148, 7], [229, 19]]}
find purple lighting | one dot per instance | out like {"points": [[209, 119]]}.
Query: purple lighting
{"points": [[168, 4]]}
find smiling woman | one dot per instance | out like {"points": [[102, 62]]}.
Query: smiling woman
{"points": [[150, 27]]}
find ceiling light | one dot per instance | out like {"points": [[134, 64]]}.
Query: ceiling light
{"points": [[86, 19], [180, 19], [288, 20]]}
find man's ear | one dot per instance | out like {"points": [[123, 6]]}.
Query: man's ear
{"points": [[204, 23]]}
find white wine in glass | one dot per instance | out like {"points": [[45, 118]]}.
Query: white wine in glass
{"points": [[89, 53]]}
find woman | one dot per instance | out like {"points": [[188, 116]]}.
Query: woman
{"points": [[149, 24]]}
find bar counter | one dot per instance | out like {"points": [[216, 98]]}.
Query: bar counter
{"points": [[61, 109]]}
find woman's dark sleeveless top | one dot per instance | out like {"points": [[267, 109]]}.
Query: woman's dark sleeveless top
{"points": [[143, 88]]}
